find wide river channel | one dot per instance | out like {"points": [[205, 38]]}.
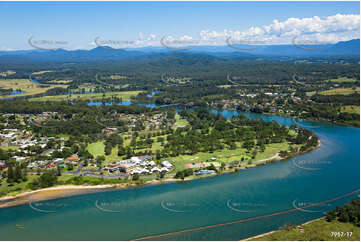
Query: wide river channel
{"points": [[329, 172]]}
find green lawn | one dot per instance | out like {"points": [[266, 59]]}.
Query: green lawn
{"points": [[96, 149], [180, 122], [91, 96], [340, 91], [342, 79], [319, 230], [351, 109], [13, 147], [227, 155]]}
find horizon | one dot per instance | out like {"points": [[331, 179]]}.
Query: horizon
{"points": [[184, 48], [134, 25]]}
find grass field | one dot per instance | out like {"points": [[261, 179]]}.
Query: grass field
{"points": [[227, 155], [319, 230], [96, 149], [25, 85], [91, 96], [340, 91], [342, 79], [180, 122], [350, 109]]}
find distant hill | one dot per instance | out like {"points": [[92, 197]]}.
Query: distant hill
{"points": [[192, 54]]}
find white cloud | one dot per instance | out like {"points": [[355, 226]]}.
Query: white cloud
{"points": [[334, 28]]}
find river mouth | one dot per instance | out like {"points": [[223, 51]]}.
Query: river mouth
{"points": [[138, 212]]}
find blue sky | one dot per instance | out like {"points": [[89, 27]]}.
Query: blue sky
{"points": [[79, 23]]}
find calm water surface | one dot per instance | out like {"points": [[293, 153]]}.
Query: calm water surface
{"points": [[330, 171]]}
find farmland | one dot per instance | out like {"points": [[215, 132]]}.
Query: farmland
{"points": [[26, 86], [125, 96], [341, 91]]}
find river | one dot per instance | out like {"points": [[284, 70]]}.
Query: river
{"points": [[330, 171]]}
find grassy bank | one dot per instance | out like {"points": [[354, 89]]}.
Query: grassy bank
{"points": [[318, 230]]}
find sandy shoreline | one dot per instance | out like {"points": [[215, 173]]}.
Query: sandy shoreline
{"points": [[49, 193], [69, 190], [273, 231]]}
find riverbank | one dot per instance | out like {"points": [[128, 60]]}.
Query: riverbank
{"points": [[72, 190], [353, 123], [61, 191], [256, 237]]}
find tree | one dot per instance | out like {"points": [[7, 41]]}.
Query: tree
{"points": [[99, 160], [58, 171], [135, 177], [108, 148], [223, 166], [10, 178], [17, 174], [47, 179], [331, 215]]}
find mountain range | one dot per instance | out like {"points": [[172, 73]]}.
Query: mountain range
{"points": [[340, 49]]}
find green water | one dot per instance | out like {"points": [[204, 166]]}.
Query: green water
{"points": [[151, 210]]}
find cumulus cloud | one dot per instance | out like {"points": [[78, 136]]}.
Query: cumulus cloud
{"points": [[339, 27], [312, 30]]}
